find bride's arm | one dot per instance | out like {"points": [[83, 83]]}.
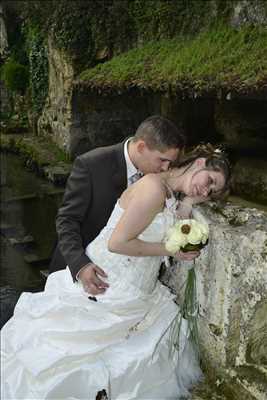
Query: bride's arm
{"points": [[147, 200]]}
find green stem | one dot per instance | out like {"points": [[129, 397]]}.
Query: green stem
{"points": [[189, 311]]}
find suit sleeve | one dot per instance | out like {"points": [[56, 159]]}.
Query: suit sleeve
{"points": [[76, 201]]}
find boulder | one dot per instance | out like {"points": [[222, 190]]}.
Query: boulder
{"points": [[232, 294]]}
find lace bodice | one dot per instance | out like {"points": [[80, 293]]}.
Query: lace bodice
{"points": [[128, 274]]}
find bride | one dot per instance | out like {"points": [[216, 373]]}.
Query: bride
{"points": [[62, 344]]}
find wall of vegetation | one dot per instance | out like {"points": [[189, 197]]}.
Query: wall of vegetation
{"points": [[163, 33], [84, 27], [25, 67]]}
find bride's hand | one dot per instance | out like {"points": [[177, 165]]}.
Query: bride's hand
{"points": [[186, 256], [89, 276], [184, 211]]}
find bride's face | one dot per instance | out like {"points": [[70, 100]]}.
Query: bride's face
{"points": [[203, 182]]}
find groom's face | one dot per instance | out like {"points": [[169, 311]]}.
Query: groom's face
{"points": [[153, 161]]}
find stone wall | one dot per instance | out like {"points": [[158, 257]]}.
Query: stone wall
{"points": [[242, 123], [232, 293], [100, 120], [250, 179]]}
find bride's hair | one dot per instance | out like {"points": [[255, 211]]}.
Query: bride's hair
{"points": [[216, 160]]}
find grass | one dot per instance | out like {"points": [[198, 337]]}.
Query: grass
{"points": [[219, 58]]}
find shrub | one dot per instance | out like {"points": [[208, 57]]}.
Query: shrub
{"points": [[15, 76]]}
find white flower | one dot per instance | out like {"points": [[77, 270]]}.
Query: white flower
{"points": [[186, 231]]}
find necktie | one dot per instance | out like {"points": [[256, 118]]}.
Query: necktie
{"points": [[135, 177]]}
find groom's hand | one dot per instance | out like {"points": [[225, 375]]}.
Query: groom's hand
{"points": [[89, 276]]}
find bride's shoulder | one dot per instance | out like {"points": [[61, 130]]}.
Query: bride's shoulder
{"points": [[153, 184]]}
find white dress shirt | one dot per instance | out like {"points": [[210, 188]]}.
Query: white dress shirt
{"points": [[131, 169]]}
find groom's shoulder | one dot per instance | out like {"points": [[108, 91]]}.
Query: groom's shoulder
{"points": [[103, 152]]}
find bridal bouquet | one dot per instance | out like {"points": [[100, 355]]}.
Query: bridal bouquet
{"points": [[187, 235]]}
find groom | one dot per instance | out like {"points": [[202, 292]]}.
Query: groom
{"points": [[96, 182]]}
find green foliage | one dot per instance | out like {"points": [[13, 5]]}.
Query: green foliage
{"points": [[16, 39], [15, 76], [71, 31], [83, 28], [28, 50], [38, 63], [157, 19], [218, 58], [14, 71], [80, 28]]}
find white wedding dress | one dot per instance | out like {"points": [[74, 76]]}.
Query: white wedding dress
{"points": [[60, 344]]}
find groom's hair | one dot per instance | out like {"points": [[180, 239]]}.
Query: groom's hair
{"points": [[159, 133]]}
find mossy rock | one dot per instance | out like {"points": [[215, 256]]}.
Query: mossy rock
{"points": [[207, 391], [257, 345], [38, 154]]}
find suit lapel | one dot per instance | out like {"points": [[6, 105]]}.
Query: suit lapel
{"points": [[120, 174]]}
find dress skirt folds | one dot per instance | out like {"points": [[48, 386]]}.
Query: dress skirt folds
{"points": [[64, 344]]}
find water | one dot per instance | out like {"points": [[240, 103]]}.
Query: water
{"points": [[28, 208]]}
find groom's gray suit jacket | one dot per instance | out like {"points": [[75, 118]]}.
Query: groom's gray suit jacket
{"points": [[97, 180]]}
